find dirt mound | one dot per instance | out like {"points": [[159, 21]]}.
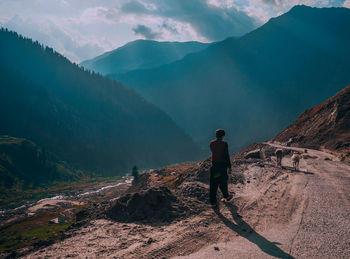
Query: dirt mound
{"points": [[326, 125], [195, 190], [200, 173], [156, 204]]}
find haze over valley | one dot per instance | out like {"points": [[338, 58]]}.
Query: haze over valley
{"points": [[107, 110]]}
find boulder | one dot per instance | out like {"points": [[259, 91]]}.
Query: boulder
{"points": [[253, 154]]}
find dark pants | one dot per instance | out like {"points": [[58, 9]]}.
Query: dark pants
{"points": [[218, 178]]}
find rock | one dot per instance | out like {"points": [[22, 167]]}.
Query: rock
{"points": [[216, 248], [54, 221], [253, 154], [149, 241]]}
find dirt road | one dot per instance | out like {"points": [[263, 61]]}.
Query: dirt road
{"points": [[275, 213], [319, 228]]}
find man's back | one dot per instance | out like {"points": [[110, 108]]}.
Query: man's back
{"points": [[218, 172], [219, 152]]}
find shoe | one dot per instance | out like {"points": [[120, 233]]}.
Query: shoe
{"points": [[227, 199]]}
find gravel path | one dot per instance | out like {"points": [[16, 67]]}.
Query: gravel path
{"points": [[320, 227]]}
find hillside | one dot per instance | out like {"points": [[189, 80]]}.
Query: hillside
{"points": [[24, 166], [141, 54], [325, 126], [165, 213], [87, 120], [256, 85]]}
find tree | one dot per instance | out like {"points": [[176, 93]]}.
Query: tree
{"points": [[135, 172]]}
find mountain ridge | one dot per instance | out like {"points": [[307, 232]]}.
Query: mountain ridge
{"points": [[140, 54], [282, 68]]}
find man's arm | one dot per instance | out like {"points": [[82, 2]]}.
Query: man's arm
{"points": [[227, 156]]}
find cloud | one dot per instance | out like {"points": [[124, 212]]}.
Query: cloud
{"points": [[287, 4], [82, 29], [145, 32], [210, 21], [169, 27], [273, 2], [53, 36], [134, 7]]}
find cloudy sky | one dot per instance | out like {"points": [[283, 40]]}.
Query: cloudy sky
{"points": [[82, 29]]}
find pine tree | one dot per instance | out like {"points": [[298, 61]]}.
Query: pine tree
{"points": [[135, 173]]}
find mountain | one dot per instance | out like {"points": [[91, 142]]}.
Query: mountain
{"points": [[89, 121], [141, 54], [325, 126], [256, 85]]}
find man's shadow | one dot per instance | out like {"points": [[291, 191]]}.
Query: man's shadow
{"points": [[243, 229], [296, 171]]}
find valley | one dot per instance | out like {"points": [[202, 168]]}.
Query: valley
{"points": [[276, 100], [41, 207]]}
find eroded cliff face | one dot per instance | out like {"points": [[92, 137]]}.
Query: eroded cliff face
{"points": [[325, 126]]}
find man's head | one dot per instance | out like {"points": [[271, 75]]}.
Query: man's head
{"points": [[220, 133]]}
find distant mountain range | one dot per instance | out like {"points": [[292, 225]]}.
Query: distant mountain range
{"points": [[253, 86], [141, 54], [91, 122], [325, 126]]}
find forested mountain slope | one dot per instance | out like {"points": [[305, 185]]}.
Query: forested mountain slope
{"points": [[85, 119]]}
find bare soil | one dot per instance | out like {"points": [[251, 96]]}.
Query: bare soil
{"points": [[276, 212]]}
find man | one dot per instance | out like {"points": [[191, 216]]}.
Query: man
{"points": [[220, 159]]}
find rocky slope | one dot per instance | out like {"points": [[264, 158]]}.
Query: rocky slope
{"points": [[325, 126]]}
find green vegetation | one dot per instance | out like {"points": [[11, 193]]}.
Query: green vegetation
{"points": [[345, 157], [29, 231]]}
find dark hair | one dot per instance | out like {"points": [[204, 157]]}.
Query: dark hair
{"points": [[220, 133]]}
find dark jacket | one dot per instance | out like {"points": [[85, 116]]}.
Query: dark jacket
{"points": [[219, 152]]}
